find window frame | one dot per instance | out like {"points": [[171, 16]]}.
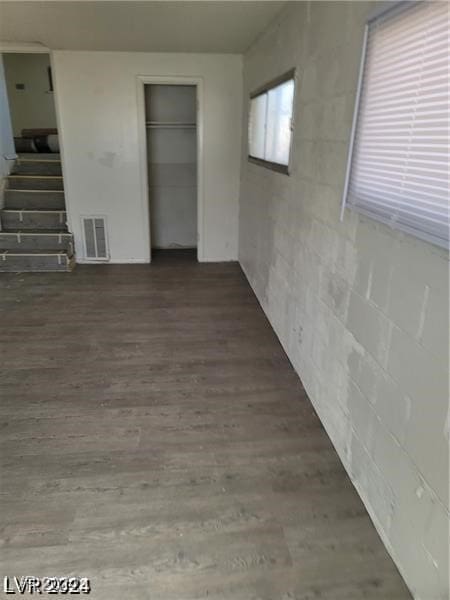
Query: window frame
{"points": [[384, 9], [260, 91]]}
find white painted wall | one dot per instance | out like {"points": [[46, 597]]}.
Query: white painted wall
{"points": [[7, 150], [361, 311], [32, 107], [98, 117]]}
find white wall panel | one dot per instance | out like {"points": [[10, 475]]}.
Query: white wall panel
{"points": [[98, 110]]}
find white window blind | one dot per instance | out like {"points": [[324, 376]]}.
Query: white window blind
{"points": [[270, 123], [398, 169]]}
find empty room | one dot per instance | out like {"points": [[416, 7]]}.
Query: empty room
{"points": [[224, 300]]}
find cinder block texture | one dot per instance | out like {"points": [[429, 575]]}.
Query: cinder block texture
{"points": [[362, 310]]}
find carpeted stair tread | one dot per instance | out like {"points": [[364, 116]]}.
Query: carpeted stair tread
{"points": [[39, 251], [34, 157], [21, 181], [54, 232]]}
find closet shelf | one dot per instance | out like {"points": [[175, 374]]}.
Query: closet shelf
{"points": [[169, 125]]}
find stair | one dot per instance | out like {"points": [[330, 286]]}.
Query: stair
{"points": [[34, 235]]}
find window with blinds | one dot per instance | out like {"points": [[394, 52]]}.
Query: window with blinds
{"points": [[398, 169], [270, 123]]}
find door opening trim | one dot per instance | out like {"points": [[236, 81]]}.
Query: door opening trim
{"points": [[142, 81]]}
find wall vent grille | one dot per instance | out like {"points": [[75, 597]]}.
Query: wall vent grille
{"points": [[95, 238]]}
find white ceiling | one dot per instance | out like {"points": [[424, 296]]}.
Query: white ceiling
{"points": [[163, 26]]}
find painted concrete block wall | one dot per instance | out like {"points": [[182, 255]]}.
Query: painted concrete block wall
{"points": [[361, 310], [97, 107], [34, 106]]}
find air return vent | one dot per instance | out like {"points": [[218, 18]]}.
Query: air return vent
{"points": [[95, 239]]}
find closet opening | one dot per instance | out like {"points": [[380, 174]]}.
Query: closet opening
{"points": [[172, 148]]}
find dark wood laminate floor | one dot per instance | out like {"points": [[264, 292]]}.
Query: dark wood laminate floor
{"points": [[155, 438]]}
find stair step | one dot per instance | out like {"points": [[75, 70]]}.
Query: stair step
{"points": [[35, 182], [34, 234], [39, 252], [33, 219], [36, 167], [36, 240], [44, 199], [40, 156], [49, 260]]}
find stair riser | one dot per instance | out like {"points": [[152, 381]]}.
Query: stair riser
{"points": [[37, 168], [32, 242], [15, 264], [41, 156], [20, 199], [34, 183], [37, 220]]}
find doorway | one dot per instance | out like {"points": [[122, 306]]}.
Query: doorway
{"points": [[34, 232], [172, 165], [29, 83]]}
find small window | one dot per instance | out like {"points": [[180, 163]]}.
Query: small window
{"points": [[397, 171], [270, 123]]}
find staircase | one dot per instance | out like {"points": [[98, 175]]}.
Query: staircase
{"points": [[34, 235]]}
